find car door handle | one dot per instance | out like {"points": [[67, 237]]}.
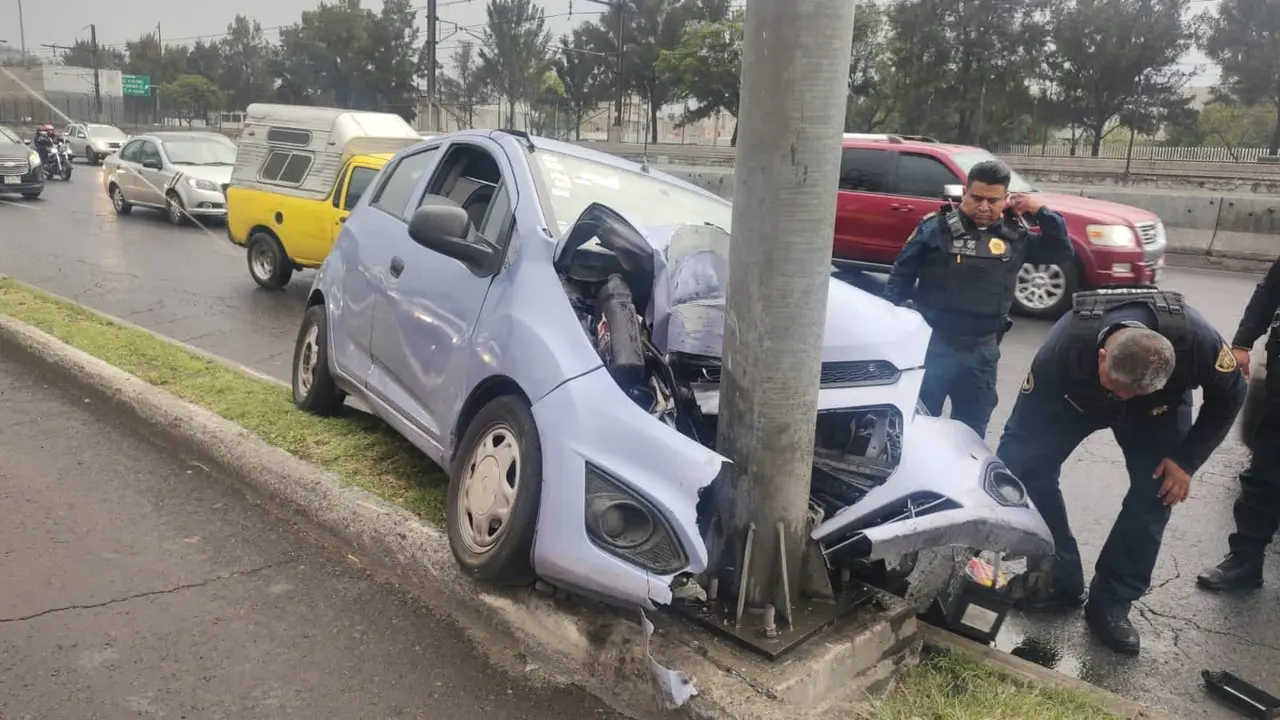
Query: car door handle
{"points": [[902, 208], [397, 267]]}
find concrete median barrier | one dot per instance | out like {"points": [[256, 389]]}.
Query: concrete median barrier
{"points": [[1190, 220], [1248, 227]]}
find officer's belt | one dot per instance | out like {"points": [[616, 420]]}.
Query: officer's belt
{"points": [[968, 342]]}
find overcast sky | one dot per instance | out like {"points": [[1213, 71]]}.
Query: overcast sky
{"points": [[64, 21]]}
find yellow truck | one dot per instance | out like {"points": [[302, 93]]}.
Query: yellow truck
{"points": [[299, 171]]}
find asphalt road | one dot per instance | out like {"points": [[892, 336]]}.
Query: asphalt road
{"points": [[194, 286], [137, 583]]}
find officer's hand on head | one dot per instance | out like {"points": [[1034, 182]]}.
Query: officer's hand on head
{"points": [[1025, 204], [1242, 360], [1177, 483]]}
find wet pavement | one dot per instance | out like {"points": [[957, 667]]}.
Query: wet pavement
{"points": [[194, 286], [138, 583]]}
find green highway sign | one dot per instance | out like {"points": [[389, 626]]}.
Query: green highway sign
{"points": [[136, 85]]}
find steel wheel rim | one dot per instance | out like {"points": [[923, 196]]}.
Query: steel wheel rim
{"points": [[308, 356], [263, 263], [117, 199], [1040, 286], [175, 210], [488, 489]]}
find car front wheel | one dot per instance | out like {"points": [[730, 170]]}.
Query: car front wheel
{"points": [[1044, 291], [314, 389], [494, 490]]}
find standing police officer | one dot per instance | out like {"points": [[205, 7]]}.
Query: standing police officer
{"points": [[1124, 359], [1257, 509], [966, 263]]}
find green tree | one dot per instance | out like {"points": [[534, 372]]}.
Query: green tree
{"points": [[392, 56], [1243, 37], [706, 67], [206, 59], [870, 106], [323, 59], [81, 55], [192, 96], [465, 87], [514, 56], [1237, 126], [245, 63], [1115, 60], [583, 77]]}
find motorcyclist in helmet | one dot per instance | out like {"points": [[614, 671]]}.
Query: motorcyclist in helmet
{"points": [[44, 141]]}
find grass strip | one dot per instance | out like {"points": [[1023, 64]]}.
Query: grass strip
{"points": [[949, 686], [364, 452], [359, 449]]}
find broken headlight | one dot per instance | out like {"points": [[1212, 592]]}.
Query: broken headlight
{"points": [[626, 525], [1003, 487]]}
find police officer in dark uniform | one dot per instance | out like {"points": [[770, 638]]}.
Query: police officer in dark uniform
{"points": [[959, 269], [1257, 509], [1124, 359]]}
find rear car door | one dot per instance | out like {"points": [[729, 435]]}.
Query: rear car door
{"points": [[918, 184], [865, 227]]}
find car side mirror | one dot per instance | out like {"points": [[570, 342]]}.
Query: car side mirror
{"points": [[443, 226], [152, 164], [26, 141], [953, 192]]}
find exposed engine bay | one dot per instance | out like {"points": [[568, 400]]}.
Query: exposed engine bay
{"points": [[658, 329]]}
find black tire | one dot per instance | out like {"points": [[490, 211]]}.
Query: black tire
{"points": [[174, 209], [66, 173], [32, 196], [508, 560], [268, 264], [122, 206], [1069, 276], [90, 156], [319, 396]]}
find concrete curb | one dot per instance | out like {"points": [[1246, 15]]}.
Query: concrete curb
{"points": [[1028, 673], [544, 636]]}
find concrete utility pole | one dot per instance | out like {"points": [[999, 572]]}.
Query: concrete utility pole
{"points": [[795, 70], [433, 97], [22, 36], [97, 81]]}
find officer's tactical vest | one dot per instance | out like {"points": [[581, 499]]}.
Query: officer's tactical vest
{"points": [[1169, 308], [976, 275]]}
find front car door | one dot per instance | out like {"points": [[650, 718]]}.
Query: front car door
{"points": [[352, 185], [865, 225], [918, 190], [424, 321]]}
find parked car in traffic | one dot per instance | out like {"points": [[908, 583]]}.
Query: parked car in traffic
{"points": [[94, 141], [299, 171], [181, 173], [888, 183], [20, 172], [545, 321]]}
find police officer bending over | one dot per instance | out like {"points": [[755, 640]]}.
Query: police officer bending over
{"points": [[1124, 359], [1257, 509], [959, 269]]}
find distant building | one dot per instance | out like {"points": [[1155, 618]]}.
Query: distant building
{"points": [[59, 94]]}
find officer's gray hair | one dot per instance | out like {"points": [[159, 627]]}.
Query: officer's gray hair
{"points": [[1140, 359]]}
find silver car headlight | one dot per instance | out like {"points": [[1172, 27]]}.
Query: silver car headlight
{"points": [[201, 184], [34, 159], [1003, 487]]}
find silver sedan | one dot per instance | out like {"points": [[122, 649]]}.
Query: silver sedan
{"points": [[183, 173]]}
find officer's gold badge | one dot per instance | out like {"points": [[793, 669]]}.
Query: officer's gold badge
{"points": [[1226, 360], [1159, 410], [996, 246], [1029, 384]]}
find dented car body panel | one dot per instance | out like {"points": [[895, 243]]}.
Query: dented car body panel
{"points": [[607, 315]]}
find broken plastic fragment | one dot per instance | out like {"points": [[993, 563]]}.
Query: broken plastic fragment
{"points": [[674, 687]]}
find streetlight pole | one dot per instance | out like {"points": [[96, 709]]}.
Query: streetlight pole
{"points": [[795, 72]]}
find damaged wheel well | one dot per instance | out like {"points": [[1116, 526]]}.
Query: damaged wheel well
{"points": [[488, 389]]}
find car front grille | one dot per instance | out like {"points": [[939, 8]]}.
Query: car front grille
{"points": [[14, 167], [1149, 232], [844, 374]]}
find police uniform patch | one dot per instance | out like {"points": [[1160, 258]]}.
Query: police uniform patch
{"points": [[1159, 410], [996, 246], [1226, 360], [1029, 384]]}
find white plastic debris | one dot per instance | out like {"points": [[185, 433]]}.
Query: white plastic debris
{"points": [[674, 687]]}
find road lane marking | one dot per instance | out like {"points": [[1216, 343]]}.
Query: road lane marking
{"points": [[21, 205]]}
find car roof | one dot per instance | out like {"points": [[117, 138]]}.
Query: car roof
{"points": [[915, 142], [179, 134]]}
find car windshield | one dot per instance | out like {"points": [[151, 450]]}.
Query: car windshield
{"points": [[106, 132], [967, 159], [572, 183], [200, 151]]}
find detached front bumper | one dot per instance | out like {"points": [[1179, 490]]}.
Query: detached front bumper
{"points": [[946, 492]]}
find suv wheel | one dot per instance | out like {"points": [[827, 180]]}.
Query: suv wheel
{"points": [[1044, 291]]}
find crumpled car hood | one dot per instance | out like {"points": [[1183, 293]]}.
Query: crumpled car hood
{"points": [[689, 267]]}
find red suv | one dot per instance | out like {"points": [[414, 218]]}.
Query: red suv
{"points": [[889, 182]]}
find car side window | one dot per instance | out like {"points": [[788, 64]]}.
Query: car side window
{"points": [[132, 152], [393, 194], [471, 177], [149, 152], [361, 178], [923, 176], [494, 227], [864, 170]]}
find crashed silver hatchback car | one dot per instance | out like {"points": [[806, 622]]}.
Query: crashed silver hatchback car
{"points": [[545, 321]]}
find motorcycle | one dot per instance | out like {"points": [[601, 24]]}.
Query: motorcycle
{"points": [[57, 161]]}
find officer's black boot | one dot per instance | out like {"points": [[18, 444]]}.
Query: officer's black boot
{"points": [[1111, 625], [1055, 601], [1239, 571]]}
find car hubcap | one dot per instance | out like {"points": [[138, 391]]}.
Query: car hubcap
{"points": [[488, 491], [117, 199], [175, 210], [263, 263], [307, 359], [1041, 286]]}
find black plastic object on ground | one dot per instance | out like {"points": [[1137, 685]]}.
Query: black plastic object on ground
{"points": [[975, 607], [1249, 699]]}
